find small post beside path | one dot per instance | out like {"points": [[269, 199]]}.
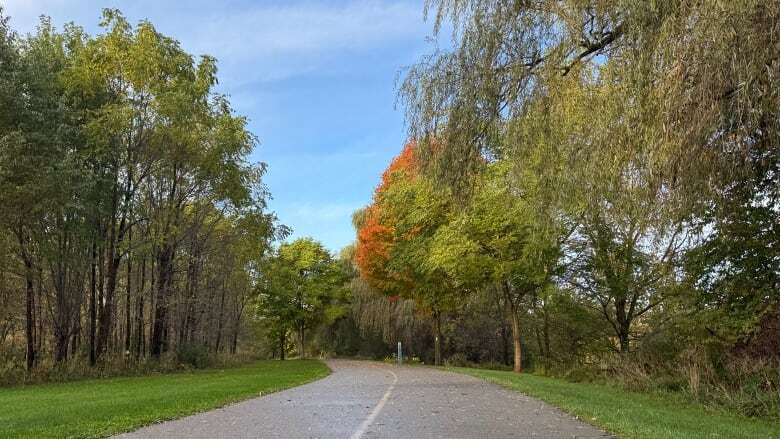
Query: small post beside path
{"points": [[400, 355]]}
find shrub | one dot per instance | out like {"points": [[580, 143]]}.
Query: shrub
{"points": [[193, 355]]}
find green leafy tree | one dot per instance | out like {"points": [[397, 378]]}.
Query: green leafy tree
{"points": [[301, 286], [496, 242]]}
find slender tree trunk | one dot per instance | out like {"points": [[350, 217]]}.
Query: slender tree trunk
{"points": [[282, 343], [128, 322], [234, 343], [512, 307], [623, 325], [39, 315], [546, 334], [437, 338], [139, 347], [75, 342], [108, 311], [60, 346], [539, 342], [302, 338], [30, 328], [518, 366], [92, 304], [100, 297], [152, 303], [159, 342], [219, 321], [501, 311]]}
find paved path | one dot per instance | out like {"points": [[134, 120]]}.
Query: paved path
{"points": [[365, 400]]}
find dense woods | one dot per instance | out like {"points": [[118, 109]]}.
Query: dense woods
{"points": [[132, 224]]}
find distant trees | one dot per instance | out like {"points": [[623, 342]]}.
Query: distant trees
{"points": [[301, 287], [132, 221]]}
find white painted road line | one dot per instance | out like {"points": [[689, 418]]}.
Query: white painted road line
{"points": [[374, 413]]}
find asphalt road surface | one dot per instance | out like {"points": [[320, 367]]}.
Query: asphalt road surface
{"points": [[366, 400]]}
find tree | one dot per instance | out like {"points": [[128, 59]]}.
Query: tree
{"points": [[396, 235], [498, 242], [301, 286]]}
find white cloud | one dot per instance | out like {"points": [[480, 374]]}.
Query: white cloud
{"points": [[304, 28], [255, 41], [275, 42]]}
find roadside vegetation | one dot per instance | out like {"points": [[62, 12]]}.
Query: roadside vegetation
{"points": [[100, 408], [132, 221], [591, 190], [632, 415]]}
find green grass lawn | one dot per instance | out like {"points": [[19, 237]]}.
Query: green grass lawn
{"points": [[631, 415], [98, 408]]}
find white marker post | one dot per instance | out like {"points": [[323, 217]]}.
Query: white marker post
{"points": [[400, 354]]}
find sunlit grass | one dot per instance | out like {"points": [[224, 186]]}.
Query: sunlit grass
{"points": [[99, 408], [632, 415]]}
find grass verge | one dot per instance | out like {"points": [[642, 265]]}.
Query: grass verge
{"points": [[99, 408], [631, 415]]}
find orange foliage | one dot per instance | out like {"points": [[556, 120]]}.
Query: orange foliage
{"points": [[402, 165], [375, 238]]}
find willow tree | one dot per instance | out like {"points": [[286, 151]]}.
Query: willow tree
{"points": [[673, 116], [463, 96]]}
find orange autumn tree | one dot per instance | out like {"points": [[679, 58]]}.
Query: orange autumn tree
{"points": [[394, 238], [376, 233]]}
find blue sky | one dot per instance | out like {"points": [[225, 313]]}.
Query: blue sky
{"points": [[316, 79]]}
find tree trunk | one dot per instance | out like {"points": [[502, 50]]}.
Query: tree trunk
{"points": [[518, 367], [302, 337], [512, 301], [546, 334], [623, 324], [159, 342], [107, 311], [234, 343], [128, 322], [437, 339], [75, 341], [282, 343], [60, 346], [221, 317], [624, 340], [139, 343], [30, 327], [92, 304]]}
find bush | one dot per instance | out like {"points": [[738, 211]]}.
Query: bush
{"points": [[193, 355], [458, 360]]}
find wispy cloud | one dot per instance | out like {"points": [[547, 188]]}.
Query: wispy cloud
{"points": [[308, 27], [275, 42], [316, 213], [253, 40]]}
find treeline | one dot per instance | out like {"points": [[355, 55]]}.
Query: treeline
{"points": [[131, 222], [593, 187]]}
